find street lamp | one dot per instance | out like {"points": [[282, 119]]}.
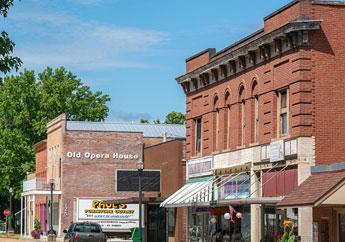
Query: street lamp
{"points": [[52, 186], [10, 228], [140, 167]]}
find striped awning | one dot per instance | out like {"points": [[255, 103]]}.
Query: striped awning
{"points": [[191, 194]]}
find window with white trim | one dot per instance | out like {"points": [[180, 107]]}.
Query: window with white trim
{"points": [[283, 111]]}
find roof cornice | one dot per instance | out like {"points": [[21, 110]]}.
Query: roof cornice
{"points": [[255, 43]]}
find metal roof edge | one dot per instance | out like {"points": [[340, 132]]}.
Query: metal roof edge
{"points": [[328, 168]]}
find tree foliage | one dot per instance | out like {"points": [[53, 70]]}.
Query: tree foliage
{"points": [[7, 61], [144, 121], [175, 118], [27, 103], [170, 118], [5, 6], [16, 158]]}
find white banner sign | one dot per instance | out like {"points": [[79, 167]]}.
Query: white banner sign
{"points": [[277, 151], [111, 216]]}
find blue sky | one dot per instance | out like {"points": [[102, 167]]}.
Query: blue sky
{"points": [[130, 49]]}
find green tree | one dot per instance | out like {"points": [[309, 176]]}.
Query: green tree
{"points": [[26, 106], [175, 118], [62, 92], [144, 121], [7, 61], [157, 121], [16, 158]]}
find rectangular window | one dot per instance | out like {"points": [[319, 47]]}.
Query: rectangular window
{"points": [[283, 99], [283, 112], [198, 130], [284, 126]]}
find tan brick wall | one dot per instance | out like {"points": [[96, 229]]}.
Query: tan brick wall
{"points": [[41, 159], [95, 178]]}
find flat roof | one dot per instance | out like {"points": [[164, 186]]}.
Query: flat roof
{"points": [[148, 130]]}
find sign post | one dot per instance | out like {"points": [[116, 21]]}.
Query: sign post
{"points": [[6, 213]]}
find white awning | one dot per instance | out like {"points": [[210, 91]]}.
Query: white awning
{"points": [[190, 194], [40, 192]]}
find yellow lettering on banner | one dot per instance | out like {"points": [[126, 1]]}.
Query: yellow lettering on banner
{"points": [[98, 211], [102, 204], [124, 211]]}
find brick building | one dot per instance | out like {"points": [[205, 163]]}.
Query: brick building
{"points": [[263, 115], [83, 159]]}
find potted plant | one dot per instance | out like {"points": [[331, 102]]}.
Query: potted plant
{"points": [[288, 235], [36, 233]]}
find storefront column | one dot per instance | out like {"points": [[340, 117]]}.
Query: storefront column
{"points": [[25, 215], [33, 212], [21, 216], [255, 219], [305, 223]]}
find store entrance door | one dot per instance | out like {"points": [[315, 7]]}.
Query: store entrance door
{"points": [[156, 224]]}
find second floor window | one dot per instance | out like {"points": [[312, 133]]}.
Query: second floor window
{"points": [[283, 112], [198, 130]]}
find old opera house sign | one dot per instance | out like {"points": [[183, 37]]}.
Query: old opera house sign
{"points": [[101, 156]]}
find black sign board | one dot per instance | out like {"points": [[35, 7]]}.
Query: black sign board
{"points": [[128, 181]]}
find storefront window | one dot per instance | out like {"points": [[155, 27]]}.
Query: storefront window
{"points": [[273, 224], [238, 187], [274, 220], [198, 224], [209, 224]]}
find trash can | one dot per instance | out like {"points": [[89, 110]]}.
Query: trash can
{"points": [[135, 234]]}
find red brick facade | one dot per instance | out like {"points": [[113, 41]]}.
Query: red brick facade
{"points": [[169, 158], [312, 73]]}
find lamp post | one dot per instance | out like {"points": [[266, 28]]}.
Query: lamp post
{"points": [[52, 186], [10, 228], [140, 167]]}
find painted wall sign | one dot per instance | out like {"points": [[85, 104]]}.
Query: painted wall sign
{"points": [[111, 216], [106, 156]]}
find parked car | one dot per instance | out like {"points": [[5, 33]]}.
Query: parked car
{"points": [[84, 232]]}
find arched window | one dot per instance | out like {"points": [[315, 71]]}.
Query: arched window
{"points": [[255, 112], [227, 119], [241, 116], [216, 123]]}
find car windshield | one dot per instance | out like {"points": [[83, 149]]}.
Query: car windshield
{"points": [[87, 228]]}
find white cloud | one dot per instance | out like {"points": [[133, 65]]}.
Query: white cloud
{"points": [[55, 40]]}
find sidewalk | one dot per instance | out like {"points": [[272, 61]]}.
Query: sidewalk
{"points": [[16, 239], [45, 239]]}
